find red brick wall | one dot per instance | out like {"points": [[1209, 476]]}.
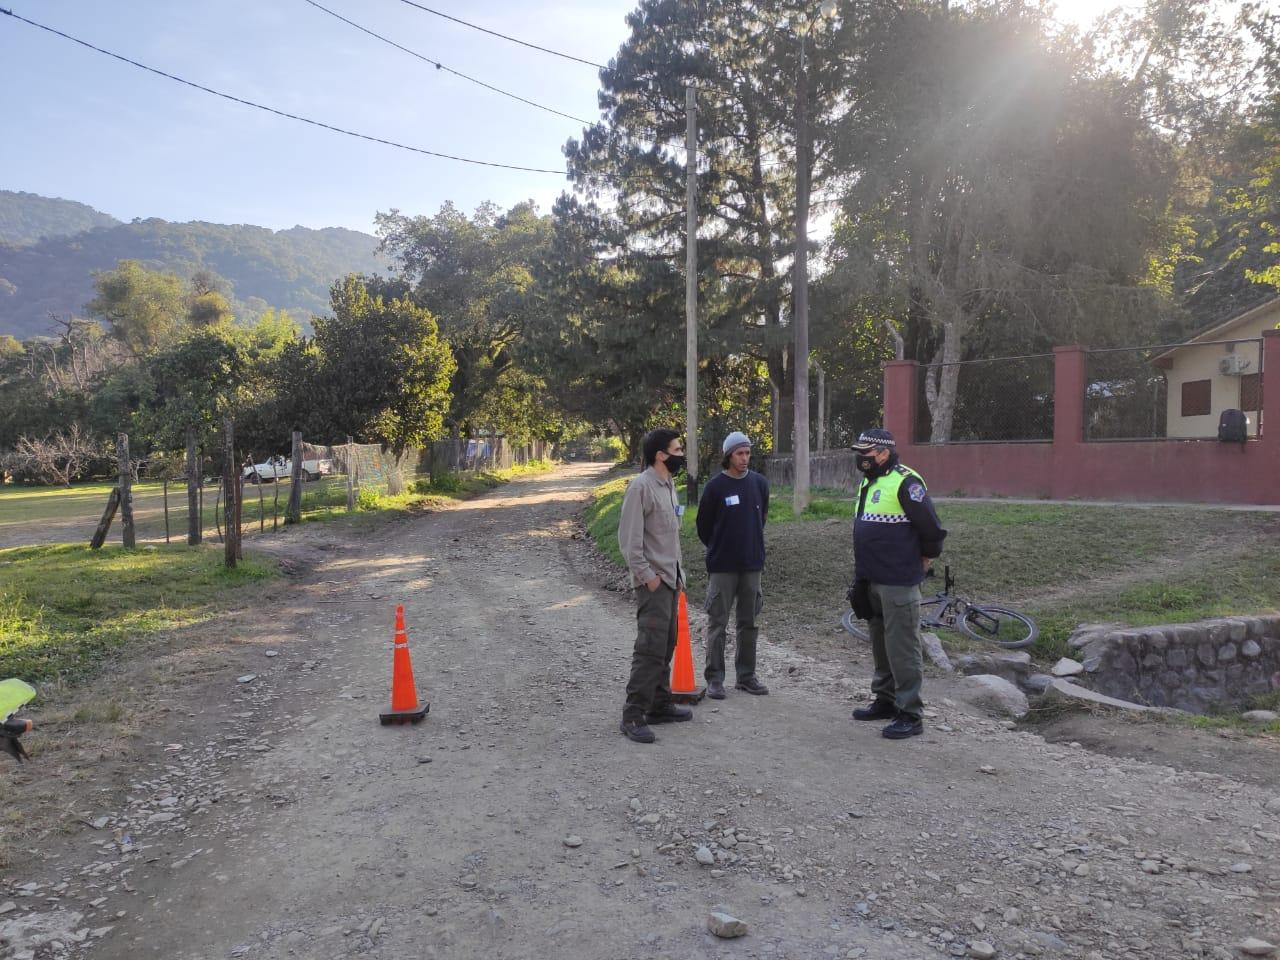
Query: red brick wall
{"points": [[1203, 471]]}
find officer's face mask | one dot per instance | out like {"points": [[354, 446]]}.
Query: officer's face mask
{"points": [[870, 466]]}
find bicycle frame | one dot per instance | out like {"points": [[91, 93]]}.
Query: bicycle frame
{"points": [[943, 609]]}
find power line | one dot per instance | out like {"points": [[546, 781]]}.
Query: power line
{"points": [[495, 33], [281, 113], [440, 66]]}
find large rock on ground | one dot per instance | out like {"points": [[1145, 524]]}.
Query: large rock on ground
{"points": [[995, 694], [725, 925], [1064, 690], [1013, 665]]}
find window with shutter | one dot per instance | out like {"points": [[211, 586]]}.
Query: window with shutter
{"points": [[1196, 398], [1251, 392]]}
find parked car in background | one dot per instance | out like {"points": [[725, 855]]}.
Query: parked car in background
{"points": [[280, 468]]}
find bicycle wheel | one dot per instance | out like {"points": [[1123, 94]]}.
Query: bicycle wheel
{"points": [[999, 625], [855, 626]]}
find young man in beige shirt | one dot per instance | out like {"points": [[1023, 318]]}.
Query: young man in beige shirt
{"points": [[649, 538]]}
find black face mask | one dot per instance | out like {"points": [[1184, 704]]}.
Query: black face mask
{"points": [[675, 464], [869, 467]]}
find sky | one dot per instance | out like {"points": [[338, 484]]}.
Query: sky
{"points": [[82, 126]]}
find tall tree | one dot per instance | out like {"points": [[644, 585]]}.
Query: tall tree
{"points": [[383, 372], [143, 308], [1005, 177], [476, 276]]}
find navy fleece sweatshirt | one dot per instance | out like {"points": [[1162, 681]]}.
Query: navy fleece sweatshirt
{"points": [[731, 518]]}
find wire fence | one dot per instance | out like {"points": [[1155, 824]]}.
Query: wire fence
{"points": [[1173, 391], [1001, 400], [154, 505]]}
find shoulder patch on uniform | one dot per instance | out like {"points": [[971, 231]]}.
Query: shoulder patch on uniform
{"points": [[916, 492]]}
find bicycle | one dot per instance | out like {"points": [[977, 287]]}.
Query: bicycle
{"points": [[988, 623]]}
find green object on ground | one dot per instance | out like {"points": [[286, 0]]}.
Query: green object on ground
{"points": [[13, 694]]}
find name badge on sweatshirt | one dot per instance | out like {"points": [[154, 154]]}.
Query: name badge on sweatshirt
{"points": [[732, 501]]}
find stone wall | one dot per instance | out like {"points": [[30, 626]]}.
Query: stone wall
{"points": [[1214, 664]]}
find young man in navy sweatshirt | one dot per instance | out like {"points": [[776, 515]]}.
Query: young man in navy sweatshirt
{"points": [[731, 518]]}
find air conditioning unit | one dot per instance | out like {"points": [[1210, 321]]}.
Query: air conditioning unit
{"points": [[1233, 365]]}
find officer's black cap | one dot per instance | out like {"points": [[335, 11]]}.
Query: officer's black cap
{"points": [[875, 437]]}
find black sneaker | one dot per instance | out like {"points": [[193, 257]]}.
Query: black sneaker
{"points": [[903, 727], [715, 689], [879, 710], [752, 685], [669, 713], [637, 731]]}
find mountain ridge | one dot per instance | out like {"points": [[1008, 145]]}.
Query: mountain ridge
{"points": [[289, 269]]}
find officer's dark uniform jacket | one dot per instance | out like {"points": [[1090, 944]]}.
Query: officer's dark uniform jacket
{"points": [[894, 527]]}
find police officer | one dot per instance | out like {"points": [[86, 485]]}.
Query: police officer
{"points": [[896, 537]]}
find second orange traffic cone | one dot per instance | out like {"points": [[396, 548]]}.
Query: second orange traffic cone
{"points": [[684, 688], [404, 692]]}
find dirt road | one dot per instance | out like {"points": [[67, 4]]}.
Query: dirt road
{"points": [[275, 818]]}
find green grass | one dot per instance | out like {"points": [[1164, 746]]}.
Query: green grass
{"points": [[602, 514], [64, 609], [1063, 564]]}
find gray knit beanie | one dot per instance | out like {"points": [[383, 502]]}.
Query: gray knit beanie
{"points": [[735, 440]]}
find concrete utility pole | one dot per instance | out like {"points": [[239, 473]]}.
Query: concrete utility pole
{"points": [[822, 408], [800, 318], [691, 289]]}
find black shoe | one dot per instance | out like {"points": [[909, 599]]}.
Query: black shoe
{"points": [[715, 689], [637, 731], [669, 713], [903, 727], [752, 685], [879, 710]]}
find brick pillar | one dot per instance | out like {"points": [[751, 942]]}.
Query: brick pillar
{"points": [[900, 400], [1069, 380], [1269, 416]]}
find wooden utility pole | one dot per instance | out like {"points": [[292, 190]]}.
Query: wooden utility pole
{"points": [[293, 512], [195, 522], [691, 289], [126, 492], [230, 498], [800, 318]]}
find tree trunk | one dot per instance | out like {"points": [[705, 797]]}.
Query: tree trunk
{"points": [[195, 523], [942, 382]]}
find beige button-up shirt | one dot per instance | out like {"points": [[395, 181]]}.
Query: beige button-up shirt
{"points": [[649, 531]]}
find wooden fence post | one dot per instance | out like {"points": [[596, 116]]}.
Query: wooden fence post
{"points": [[351, 479], [195, 522], [293, 512], [126, 492], [230, 486], [262, 510], [165, 482], [104, 525]]}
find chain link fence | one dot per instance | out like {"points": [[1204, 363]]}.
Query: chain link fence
{"points": [[1170, 391], [1001, 400]]}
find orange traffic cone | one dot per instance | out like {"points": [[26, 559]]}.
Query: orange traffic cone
{"points": [[684, 688], [404, 692]]}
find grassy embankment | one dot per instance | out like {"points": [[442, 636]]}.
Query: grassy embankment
{"points": [[1062, 564]]}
